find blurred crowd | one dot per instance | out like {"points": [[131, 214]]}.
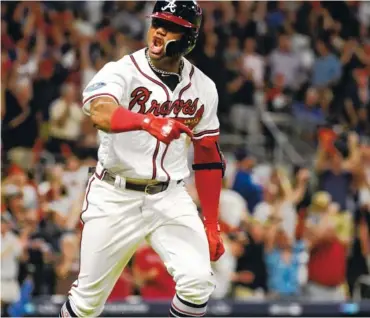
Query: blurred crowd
{"points": [[298, 233], [290, 233]]}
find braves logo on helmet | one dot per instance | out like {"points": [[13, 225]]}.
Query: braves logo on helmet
{"points": [[171, 5]]}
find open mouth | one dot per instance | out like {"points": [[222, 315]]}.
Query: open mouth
{"points": [[157, 45]]}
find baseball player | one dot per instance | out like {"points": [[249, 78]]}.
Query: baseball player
{"points": [[147, 107]]}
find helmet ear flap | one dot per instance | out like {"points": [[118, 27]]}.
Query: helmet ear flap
{"points": [[174, 47], [183, 46]]}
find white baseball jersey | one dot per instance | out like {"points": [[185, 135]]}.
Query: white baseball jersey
{"points": [[130, 82]]}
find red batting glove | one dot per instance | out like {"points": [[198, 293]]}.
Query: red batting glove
{"points": [[216, 246], [165, 129]]}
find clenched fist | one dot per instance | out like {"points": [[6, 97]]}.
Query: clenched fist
{"points": [[216, 246], [165, 129]]}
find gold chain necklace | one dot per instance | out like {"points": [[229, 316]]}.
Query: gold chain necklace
{"points": [[165, 73]]}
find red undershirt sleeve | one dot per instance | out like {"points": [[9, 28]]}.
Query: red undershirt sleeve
{"points": [[125, 120], [208, 182]]}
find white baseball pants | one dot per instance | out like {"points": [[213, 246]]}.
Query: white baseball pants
{"points": [[117, 220]]}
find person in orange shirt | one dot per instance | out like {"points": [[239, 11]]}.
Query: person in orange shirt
{"points": [[151, 276]]}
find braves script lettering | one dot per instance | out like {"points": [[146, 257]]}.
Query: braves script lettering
{"points": [[140, 96]]}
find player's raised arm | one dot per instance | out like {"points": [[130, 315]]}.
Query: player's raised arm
{"points": [[108, 116]]}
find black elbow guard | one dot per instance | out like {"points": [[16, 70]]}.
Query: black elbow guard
{"points": [[221, 165]]}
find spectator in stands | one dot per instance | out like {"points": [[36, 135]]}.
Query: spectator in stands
{"points": [[328, 106], [125, 19], [17, 178], [42, 239], [27, 66], [207, 59], [364, 177], [280, 196], [285, 259], [47, 86], [14, 204], [278, 214], [329, 234], [353, 56], [300, 44], [66, 117], [250, 278], [57, 202], [241, 90], [278, 97], [243, 181], [90, 64], [243, 26], [6, 40], [12, 250], [357, 103], [151, 276], [305, 200], [359, 258], [74, 176], [67, 264], [252, 61], [276, 17], [287, 63], [232, 50], [233, 209], [124, 46], [88, 69], [327, 68], [309, 114], [335, 171], [19, 128], [364, 13]]}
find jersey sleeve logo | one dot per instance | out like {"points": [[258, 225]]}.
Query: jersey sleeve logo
{"points": [[95, 86]]}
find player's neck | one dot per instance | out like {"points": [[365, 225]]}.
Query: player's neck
{"points": [[168, 65]]}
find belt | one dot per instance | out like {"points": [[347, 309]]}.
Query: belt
{"points": [[148, 187]]}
